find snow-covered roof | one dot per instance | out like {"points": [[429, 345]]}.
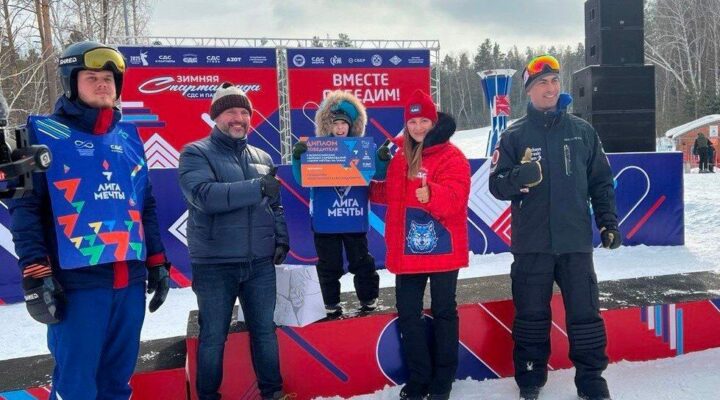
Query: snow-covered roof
{"points": [[682, 129]]}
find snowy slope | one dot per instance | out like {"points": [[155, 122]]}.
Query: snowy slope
{"points": [[472, 141]]}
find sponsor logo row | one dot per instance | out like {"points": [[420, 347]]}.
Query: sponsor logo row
{"points": [[144, 59], [300, 60]]}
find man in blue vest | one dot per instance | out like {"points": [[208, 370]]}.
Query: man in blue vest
{"points": [[340, 215], [87, 237]]}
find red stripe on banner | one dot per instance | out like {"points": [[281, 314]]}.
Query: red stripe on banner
{"points": [[2, 302], [312, 259], [179, 278], [380, 128], [374, 86], [296, 194], [500, 221], [501, 226], [714, 305], [645, 217], [41, 393]]}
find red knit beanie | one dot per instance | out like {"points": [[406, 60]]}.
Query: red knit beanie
{"points": [[420, 104]]}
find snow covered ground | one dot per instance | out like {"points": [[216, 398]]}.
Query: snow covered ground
{"points": [[472, 142], [687, 377]]}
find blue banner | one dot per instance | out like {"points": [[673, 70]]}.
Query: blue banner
{"points": [[166, 56], [354, 58]]}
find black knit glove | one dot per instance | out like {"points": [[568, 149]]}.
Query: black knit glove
{"points": [[158, 283], [529, 173], [270, 185], [281, 252], [383, 152], [299, 149], [44, 297], [611, 238]]}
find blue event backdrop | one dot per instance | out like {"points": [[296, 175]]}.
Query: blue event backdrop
{"points": [[649, 201]]}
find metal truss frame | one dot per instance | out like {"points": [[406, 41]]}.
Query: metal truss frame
{"points": [[281, 45]]}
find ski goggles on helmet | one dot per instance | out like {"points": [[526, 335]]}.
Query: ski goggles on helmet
{"points": [[540, 65], [99, 58]]}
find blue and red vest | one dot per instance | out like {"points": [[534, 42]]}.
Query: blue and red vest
{"points": [[96, 185]]}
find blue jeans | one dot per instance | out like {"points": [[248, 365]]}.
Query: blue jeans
{"points": [[96, 345], [217, 286]]}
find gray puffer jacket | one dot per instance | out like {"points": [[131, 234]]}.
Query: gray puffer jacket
{"points": [[229, 218]]}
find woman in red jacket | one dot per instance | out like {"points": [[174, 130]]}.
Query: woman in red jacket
{"points": [[426, 192]]}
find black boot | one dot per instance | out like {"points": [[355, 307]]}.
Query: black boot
{"points": [[369, 306], [529, 393], [412, 392], [333, 310], [583, 396]]}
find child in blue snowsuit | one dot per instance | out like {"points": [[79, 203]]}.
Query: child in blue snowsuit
{"points": [[341, 115]]}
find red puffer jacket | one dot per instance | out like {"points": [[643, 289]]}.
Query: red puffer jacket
{"points": [[430, 237]]}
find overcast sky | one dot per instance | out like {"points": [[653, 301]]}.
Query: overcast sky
{"points": [[460, 25]]}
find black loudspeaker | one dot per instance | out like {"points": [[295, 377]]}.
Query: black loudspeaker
{"points": [[613, 14], [614, 32], [615, 47], [616, 92], [624, 131], [613, 88]]}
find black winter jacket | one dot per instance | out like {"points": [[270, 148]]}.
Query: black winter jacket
{"points": [[554, 216]]}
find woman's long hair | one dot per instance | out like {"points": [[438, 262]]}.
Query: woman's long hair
{"points": [[413, 154]]}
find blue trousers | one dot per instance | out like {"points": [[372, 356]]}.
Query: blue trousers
{"points": [[217, 286], [96, 344]]}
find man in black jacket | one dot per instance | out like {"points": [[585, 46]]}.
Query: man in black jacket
{"points": [[236, 232], [701, 148], [551, 165]]}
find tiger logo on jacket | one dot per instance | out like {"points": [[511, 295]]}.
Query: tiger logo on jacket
{"points": [[422, 237]]}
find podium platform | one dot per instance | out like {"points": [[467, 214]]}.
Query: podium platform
{"points": [[646, 318]]}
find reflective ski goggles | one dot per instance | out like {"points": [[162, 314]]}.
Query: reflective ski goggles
{"points": [[540, 65], [98, 59], [543, 63]]}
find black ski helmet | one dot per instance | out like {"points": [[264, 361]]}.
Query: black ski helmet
{"points": [[89, 56]]}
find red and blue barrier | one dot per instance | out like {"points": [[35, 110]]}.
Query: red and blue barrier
{"points": [[362, 355]]}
